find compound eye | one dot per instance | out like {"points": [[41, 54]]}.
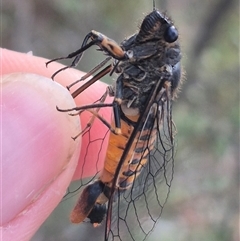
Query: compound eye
{"points": [[171, 34]]}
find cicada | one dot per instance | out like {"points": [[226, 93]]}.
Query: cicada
{"points": [[129, 193]]}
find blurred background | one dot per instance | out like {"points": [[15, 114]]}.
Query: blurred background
{"points": [[204, 200]]}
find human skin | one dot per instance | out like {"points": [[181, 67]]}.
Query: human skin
{"points": [[38, 156]]}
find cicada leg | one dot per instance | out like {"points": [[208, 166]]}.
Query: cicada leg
{"points": [[95, 114], [91, 72], [109, 46]]}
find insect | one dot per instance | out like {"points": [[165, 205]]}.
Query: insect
{"points": [[129, 193]]}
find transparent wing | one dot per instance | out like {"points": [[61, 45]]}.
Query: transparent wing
{"points": [[136, 211]]}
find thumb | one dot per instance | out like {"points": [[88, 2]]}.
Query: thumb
{"points": [[36, 166]]}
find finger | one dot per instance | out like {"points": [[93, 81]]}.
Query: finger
{"points": [[19, 62], [39, 157]]}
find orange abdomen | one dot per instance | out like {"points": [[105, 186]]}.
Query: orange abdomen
{"points": [[136, 157], [93, 198]]}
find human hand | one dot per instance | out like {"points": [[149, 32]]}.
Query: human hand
{"points": [[39, 156]]}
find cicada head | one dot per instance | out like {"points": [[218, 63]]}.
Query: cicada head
{"points": [[156, 26]]}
